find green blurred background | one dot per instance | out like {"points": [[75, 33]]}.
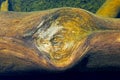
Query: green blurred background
{"points": [[37, 5]]}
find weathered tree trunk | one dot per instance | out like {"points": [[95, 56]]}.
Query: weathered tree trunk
{"points": [[19, 32]]}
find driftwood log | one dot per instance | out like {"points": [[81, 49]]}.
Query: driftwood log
{"points": [[57, 39]]}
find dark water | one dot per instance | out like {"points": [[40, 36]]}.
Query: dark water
{"points": [[68, 75]]}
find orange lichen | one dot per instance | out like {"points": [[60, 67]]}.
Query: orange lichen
{"points": [[71, 29]]}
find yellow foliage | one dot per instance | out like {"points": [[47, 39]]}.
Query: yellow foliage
{"points": [[4, 6], [110, 8]]}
